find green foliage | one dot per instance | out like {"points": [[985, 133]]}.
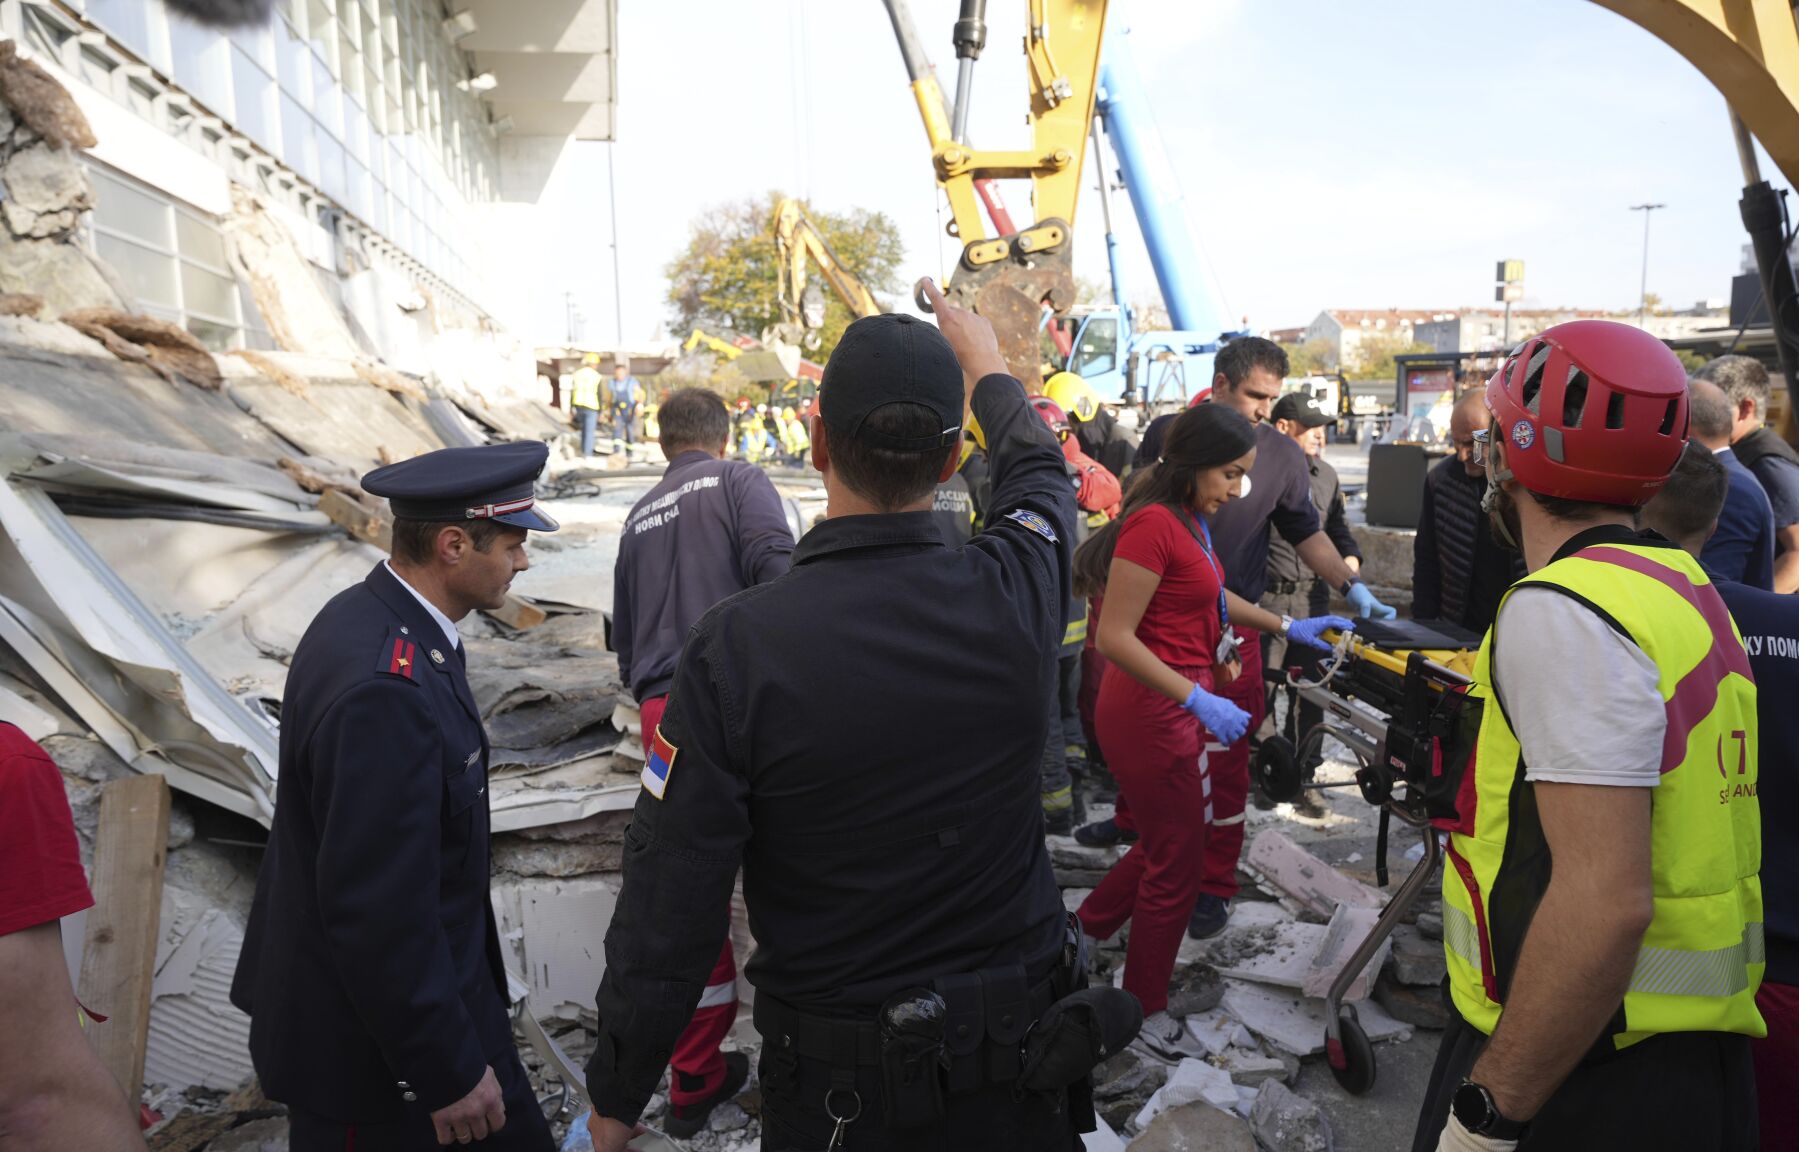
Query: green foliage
{"points": [[726, 276], [1313, 358], [1375, 356], [1691, 361]]}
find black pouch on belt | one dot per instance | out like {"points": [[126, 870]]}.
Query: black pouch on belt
{"points": [[912, 1057], [1075, 1035]]}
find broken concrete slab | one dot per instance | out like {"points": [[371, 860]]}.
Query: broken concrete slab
{"points": [[1430, 925], [1124, 1083], [1191, 1080], [1195, 1127], [265, 1135], [1286, 1122], [1417, 960], [1194, 988], [1295, 1023], [1419, 1007], [553, 931], [1302, 880], [1279, 954], [1248, 1069], [1215, 1030], [1348, 928]]}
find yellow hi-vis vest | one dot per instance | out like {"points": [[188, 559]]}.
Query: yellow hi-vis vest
{"points": [[584, 389], [1701, 960]]}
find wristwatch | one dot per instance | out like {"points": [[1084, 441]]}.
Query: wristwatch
{"points": [[1473, 1106], [1347, 585], [1286, 625]]}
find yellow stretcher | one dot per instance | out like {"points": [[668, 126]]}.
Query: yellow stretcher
{"points": [[1395, 694]]}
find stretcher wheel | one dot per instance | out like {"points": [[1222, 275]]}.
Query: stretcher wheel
{"points": [[1277, 769], [1351, 1056]]}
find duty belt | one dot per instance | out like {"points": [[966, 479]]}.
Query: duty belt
{"points": [[1289, 587], [989, 1013]]}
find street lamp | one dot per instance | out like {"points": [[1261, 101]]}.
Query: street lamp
{"points": [[1643, 293]]}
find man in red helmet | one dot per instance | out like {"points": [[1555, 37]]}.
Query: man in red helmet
{"points": [[1601, 909]]}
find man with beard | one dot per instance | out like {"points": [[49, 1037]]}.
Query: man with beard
{"points": [[1459, 571], [1602, 912]]}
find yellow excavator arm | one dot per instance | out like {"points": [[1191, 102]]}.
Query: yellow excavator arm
{"points": [[699, 339], [798, 242]]}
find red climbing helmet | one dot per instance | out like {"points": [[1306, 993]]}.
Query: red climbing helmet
{"points": [[1052, 414], [1591, 410]]}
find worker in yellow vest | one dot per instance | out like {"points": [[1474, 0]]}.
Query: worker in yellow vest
{"points": [[1602, 916], [584, 398]]}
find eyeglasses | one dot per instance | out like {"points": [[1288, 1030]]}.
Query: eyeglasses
{"points": [[1481, 440]]}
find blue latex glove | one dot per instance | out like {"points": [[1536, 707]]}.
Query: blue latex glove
{"points": [[1365, 605], [1308, 630], [1224, 720]]}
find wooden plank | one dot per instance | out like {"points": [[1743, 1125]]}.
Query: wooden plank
{"points": [[118, 959], [373, 525], [518, 613]]}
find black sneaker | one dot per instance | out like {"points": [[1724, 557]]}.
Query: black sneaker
{"points": [[1210, 915], [1103, 834], [686, 1121]]}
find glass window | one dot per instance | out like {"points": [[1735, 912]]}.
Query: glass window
{"points": [[127, 210], [148, 274], [1097, 350], [327, 99], [139, 26], [208, 293], [217, 337], [203, 64], [200, 242], [293, 61], [331, 167], [255, 94]]}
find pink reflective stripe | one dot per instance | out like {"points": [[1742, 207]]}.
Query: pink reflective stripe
{"points": [[1697, 693]]}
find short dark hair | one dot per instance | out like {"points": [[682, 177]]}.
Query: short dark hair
{"points": [[415, 541], [885, 478], [1710, 413], [1742, 378], [692, 418], [1692, 497], [1241, 356]]}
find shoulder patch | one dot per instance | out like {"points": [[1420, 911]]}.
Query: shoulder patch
{"points": [[1034, 522], [659, 761], [398, 655]]}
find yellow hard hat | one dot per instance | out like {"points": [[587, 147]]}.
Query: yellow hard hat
{"points": [[1072, 395], [787, 413], [592, 358], [973, 428]]}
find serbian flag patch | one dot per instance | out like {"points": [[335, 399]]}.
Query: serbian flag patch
{"points": [[660, 762]]}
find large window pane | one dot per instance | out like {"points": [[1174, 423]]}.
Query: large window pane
{"points": [[294, 62], [202, 64], [217, 337], [139, 26], [327, 99], [299, 143], [256, 101], [200, 241], [119, 207], [209, 294], [148, 275], [331, 167]]}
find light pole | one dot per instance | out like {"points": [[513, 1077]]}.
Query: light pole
{"points": [[1643, 293]]}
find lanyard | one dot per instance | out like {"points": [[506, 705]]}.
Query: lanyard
{"points": [[1205, 545]]}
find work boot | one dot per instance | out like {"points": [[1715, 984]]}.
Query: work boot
{"points": [[1104, 834], [1310, 804], [1167, 1037], [1210, 915], [686, 1121]]}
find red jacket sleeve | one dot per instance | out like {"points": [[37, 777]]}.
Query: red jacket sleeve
{"points": [[1100, 490], [40, 860]]}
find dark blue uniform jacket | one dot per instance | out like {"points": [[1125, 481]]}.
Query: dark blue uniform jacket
{"points": [[864, 736], [1742, 549], [709, 529], [371, 967]]}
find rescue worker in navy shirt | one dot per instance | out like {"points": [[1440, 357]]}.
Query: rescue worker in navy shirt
{"points": [[371, 970], [863, 735], [709, 529]]}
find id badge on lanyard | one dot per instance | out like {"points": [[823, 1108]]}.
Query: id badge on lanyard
{"points": [[1227, 661]]}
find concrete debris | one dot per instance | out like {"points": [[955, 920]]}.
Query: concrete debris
{"points": [[1417, 961], [63, 273], [1102, 1138], [1195, 988], [268, 1135], [1295, 1023], [171, 350], [1348, 928], [40, 104], [1215, 1030], [1285, 1122], [727, 1117], [1278, 954], [271, 370], [1195, 1127], [1430, 925], [554, 930], [1078, 866], [197, 1037], [1124, 1083], [1191, 1080], [46, 193], [299, 315], [1248, 1069], [1302, 880], [20, 304], [1420, 1007]]}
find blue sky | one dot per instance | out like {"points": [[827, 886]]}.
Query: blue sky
{"points": [[1372, 154]]}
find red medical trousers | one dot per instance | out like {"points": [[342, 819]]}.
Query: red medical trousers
{"points": [[1230, 774], [1156, 752], [697, 1064]]}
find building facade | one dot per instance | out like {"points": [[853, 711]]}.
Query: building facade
{"points": [[391, 144]]}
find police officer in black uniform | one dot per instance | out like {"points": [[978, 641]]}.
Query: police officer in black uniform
{"points": [[371, 969], [863, 736]]}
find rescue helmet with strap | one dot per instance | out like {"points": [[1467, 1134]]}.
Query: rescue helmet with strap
{"points": [[1072, 395], [1590, 410], [1052, 415]]}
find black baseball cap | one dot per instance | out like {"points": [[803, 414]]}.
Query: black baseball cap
{"points": [[489, 482], [1304, 410], [885, 360]]}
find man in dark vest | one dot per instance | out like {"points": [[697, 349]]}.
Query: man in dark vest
{"points": [[1459, 571], [1761, 450]]}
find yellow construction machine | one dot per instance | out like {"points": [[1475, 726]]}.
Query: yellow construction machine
{"points": [[798, 242]]}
